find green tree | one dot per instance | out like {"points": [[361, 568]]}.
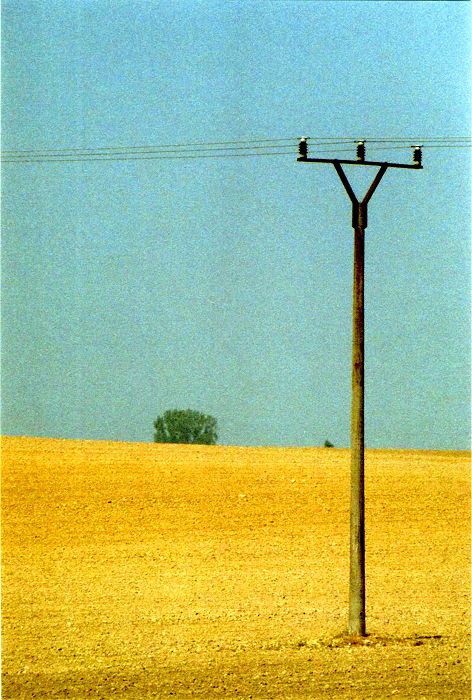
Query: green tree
{"points": [[327, 443], [187, 427]]}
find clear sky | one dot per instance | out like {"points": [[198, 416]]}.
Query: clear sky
{"points": [[224, 284]]}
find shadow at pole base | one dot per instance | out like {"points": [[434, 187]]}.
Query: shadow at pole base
{"points": [[345, 639]]}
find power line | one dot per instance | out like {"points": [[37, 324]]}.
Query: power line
{"points": [[137, 158], [222, 149], [265, 143], [156, 150], [212, 145]]}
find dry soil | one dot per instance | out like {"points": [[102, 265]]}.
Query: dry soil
{"points": [[143, 570]]}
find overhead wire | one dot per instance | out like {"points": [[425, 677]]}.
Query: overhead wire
{"points": [[223, 149], [145, 157], [187, 150], [158, 150], [189, 144], [169, 148], [212, 145], [230, 145]]}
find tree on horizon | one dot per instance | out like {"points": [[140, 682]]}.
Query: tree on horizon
{"points": [[185, 427]]}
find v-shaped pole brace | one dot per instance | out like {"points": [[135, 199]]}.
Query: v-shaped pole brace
{"points": [[359, 209]]}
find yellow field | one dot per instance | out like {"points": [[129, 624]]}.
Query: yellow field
{"points": [[143, 570]]}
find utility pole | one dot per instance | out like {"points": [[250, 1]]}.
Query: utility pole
{"points": [[357, 619]]}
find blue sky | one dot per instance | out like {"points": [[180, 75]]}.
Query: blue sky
{"points": [[224, 285]]}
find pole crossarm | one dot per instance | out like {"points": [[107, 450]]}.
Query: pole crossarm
{"points": [[378, 163]]}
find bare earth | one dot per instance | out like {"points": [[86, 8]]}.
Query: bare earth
{"points": [[142, 570]]}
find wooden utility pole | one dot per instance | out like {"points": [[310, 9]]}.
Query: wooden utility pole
{"points": [[357, 617]]}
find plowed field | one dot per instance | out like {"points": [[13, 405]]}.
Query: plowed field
{"points": [[143, 570]]}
